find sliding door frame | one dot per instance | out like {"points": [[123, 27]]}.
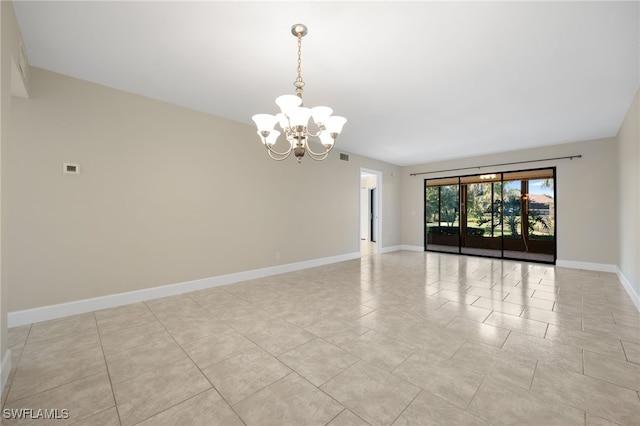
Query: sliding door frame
{"points": [[463, 213]]}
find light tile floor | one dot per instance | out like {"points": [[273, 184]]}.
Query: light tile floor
{"points": [[399, 338]]}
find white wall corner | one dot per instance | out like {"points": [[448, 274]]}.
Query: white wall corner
{"points": [[633, 294], [5, 369], [45, 313]]}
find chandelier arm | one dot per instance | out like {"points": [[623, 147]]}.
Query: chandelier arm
{"points": [[288, 134], [285, 153], [325, 153], [315, 135], [318, 157], [278, 156]]}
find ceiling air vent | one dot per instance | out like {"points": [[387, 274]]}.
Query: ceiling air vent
{"points": [[344, 157]]}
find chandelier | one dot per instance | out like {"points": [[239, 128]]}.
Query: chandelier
{"points": [[294, 120]]}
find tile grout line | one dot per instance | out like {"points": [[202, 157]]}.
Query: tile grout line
{"points": [[336, 416], [535, 369], [505, 339], [12, 376], [194, 364], [408, 405], [339, 372], [605, 380], [75, 380], [113, 393], [624, 351], [572, 405], [323, 391], [197, 367], [276, 357], [546, 330], [484, 377], [462, 345], [182, 402]]}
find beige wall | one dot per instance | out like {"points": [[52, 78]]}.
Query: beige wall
{"points": [[165, 195], [629, 181], [587, 221]]}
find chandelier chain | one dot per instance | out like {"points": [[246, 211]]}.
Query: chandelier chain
{"points": [[299, 84]]}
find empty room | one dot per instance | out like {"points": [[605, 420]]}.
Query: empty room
{"points": [[320, 213]]}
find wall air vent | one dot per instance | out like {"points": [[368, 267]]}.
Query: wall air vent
{"points": [[71, 169], [344, 157]]}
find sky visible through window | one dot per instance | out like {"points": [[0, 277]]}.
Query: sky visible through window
{"points": [[538, 187]]}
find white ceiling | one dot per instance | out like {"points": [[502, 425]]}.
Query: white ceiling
{"points": [[417, 81]]}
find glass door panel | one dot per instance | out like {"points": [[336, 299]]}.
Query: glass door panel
{"points": [[541, 209], [442, 211], [540, 219], [479, 217], [512, 209], [496, 218], [529, 231], [432, 213]]}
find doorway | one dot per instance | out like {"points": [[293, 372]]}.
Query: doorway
{"points": [[369, 211]]}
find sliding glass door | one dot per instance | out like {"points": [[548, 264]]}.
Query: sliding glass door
{"points": [[481, 230], [530, 214], [443, 214], [507, 215]]}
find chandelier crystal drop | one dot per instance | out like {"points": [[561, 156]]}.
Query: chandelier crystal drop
{"points": [[294, 120]]}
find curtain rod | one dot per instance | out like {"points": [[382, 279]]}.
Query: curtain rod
{"points": [[569, 157]]}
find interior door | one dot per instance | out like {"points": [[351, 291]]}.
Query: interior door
{"points": [[364, 214], [372, 214]]}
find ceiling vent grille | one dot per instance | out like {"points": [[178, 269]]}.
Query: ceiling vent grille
{"points": [[344, 157]]}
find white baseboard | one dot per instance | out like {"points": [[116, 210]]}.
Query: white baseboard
{"points": [[411, 248], [5, 369], [45, 313], [605, 267], [588, 266], [389, 249], [633, 294]]}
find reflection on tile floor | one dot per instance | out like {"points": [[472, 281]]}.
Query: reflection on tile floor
{"points": [[507, 254], [397, 338]]}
